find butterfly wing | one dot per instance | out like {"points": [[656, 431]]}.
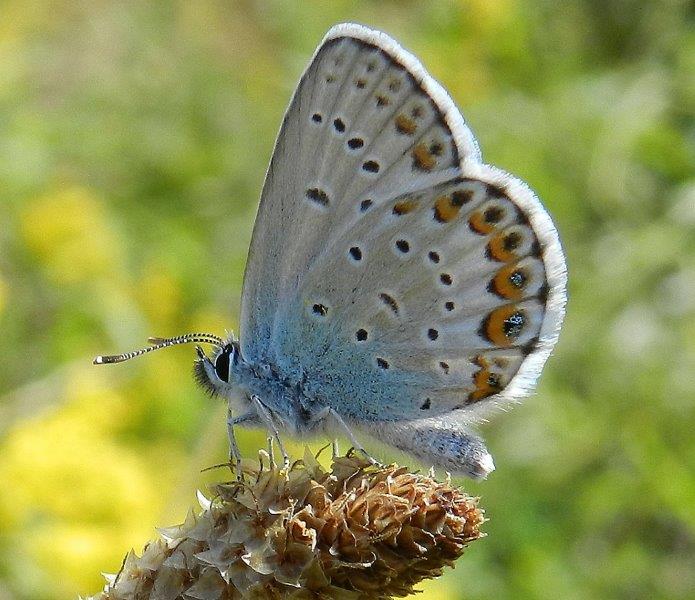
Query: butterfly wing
{"points": [[391, 271], [336, 143]]}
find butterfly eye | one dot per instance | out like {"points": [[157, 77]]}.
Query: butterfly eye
{"points": [[222, 362]]}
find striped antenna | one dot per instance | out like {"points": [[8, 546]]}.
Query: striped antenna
{"points": [[158, 343]]}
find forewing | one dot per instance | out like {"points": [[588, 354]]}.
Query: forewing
{"points": [[361, 124]]}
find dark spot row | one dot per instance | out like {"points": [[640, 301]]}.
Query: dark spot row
{"points": [[403, 246], [361, 335], [354, 143]]}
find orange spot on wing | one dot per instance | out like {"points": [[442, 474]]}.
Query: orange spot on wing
{"points": [[423, 159], [499, 250], [503, 325], [445, 210], [405, 125], [486, 383], [509, 282], [478, 223], [404, 207]]}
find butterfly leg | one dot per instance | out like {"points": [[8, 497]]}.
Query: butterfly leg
{"points": [[250, 416], [326, 412], [234, 453], [267, 418]]}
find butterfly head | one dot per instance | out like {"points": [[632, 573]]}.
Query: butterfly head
{"points": [[215, 374]]}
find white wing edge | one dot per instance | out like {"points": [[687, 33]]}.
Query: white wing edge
{"points": [[523, 383]]}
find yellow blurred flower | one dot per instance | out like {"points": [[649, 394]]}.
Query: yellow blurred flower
{"points": [[489, 14], [19, 20], [435, 589], [69, 232], [159, 294], [76, 488], [208, 319], [70, 551]]}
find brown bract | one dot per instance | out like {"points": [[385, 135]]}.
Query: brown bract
{"points": [[357, 531]]}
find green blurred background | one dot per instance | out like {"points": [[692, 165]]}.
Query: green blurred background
{"points": [[134, 137]]}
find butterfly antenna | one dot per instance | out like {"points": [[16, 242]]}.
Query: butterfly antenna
{"points": [[158, 343]]}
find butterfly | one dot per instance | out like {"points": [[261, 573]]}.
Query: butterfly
{"points": [[396, 285]]}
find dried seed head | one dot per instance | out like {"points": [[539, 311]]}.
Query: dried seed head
{"points": [[359, 531]]}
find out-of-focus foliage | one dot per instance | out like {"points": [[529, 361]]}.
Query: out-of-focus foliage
{"points": [[133, 141]]}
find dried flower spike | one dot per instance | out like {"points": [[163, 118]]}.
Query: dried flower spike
{"points": [[359, 531]]}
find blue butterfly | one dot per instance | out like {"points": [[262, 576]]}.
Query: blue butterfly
{"points": [[395, 285]]}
